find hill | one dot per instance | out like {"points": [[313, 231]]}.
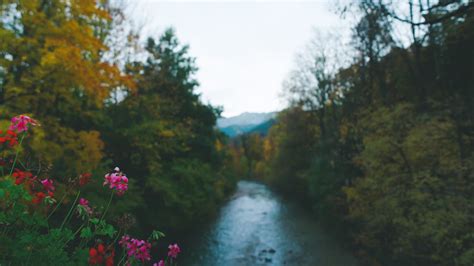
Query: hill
{"points": [[245, 123]]}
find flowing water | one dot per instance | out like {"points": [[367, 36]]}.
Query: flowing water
{"points": [[256, 227]]}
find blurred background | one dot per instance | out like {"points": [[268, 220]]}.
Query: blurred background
{"points": [[258, 132]]}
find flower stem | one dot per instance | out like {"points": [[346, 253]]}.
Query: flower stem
{"points": [[115, 240], [16, 155], [108, 205], [123, 257], [73, 236], [57, 206], [70, 211]]}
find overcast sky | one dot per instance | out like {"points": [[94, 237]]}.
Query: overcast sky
{"points": [[244, 49]]}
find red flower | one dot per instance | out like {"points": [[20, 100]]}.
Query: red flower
{"points": [[10, 138], [101, 249], [98, 256], [20, 176], [109, 260], [84, 179], [39, 197]]}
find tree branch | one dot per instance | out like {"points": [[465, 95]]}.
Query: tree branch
{"points": [[461, 10]]}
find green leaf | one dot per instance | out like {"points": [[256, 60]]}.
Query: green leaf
{"points": [[86, 232], [110, 230], [107, 230], [3, 218], [156, 235]]}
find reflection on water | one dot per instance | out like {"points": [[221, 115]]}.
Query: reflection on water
{"points": [[257, 228]]}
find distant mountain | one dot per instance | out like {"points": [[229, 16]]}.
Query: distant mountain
{"points": [[233, 131], [263, 128], [246, 122], [245, 119]]}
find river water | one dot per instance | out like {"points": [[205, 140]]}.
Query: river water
{"points": [[256, 227]]}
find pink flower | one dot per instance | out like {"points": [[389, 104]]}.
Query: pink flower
{"points": [[174, 250], [160, 263], [117, 181], [47, 184], [20, 123], [83, 202], [138, 249], [85, 205]]}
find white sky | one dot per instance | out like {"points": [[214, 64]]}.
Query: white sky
{"points": [[244, 49]]}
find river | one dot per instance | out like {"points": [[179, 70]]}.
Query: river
{"points": [[256, 227]]}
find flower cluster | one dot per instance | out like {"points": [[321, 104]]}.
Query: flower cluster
{"points": [[48, 184], [42, 189], [117, 180], [20, 123], [84, 179], [49, 187], [160, 263], [40, 196], [84, 206], [138, 249], [173, 251], [22, 176], [83, 202], [99, 255], [10, 138], [25, 177]]}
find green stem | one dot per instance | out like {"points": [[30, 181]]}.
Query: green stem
{"points": [[115, 239], [57, 206], [70, 211], [123, 257], [108, 205], [81, 244], [73, 235], [16, 155], [29, 256]]}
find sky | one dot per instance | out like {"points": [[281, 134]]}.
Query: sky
{"points": [[244, 49]]}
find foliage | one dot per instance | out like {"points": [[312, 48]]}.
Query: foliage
{"points": [[70, 64], [383, 148], [84, 236], [169, 138], [52, 66]]}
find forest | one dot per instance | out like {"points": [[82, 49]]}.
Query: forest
{"points": [[91, 106], [382, 147], [105, 142]]}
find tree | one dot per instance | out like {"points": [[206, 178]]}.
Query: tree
{"points": [[164, 135], [52, 67]]}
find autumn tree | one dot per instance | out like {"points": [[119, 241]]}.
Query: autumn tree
{"points": [[52, 67]]}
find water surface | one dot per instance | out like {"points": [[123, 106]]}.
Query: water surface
{"points": [[256, 227]]}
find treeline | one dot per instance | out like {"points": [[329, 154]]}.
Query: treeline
{"points": [[104, 99], [384, 146]]}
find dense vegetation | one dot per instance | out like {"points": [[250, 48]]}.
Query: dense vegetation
{"points": [[72, 66], [381, 146], [384, 145]]}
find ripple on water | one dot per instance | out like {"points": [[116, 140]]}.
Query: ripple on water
{"points": [[257, 228]]}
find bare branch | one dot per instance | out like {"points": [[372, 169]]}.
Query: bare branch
{"points": [[460, 11]]}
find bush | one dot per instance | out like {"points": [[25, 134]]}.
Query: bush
{"points": [[47, 222]]}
